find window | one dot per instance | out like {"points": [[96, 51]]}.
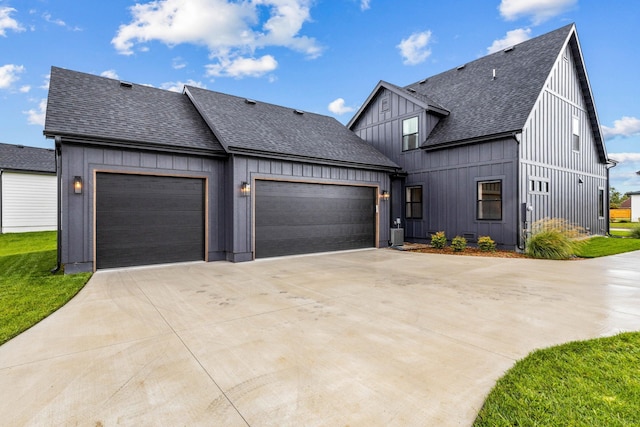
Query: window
{"points": [[490, 200], [410, 134], [538, 185], [601, 202], [575, 141], [413, 203]]}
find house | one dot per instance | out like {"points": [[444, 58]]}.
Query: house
{"points": [[634, 205], [493, 145], [151, 176], [28, 190]]}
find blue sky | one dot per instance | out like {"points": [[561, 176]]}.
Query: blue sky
{"points": [[321, 56]]}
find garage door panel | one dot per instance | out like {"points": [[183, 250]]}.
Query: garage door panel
{"points": [[295, 218], [144, 219]]}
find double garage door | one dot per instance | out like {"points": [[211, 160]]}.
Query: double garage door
{"points": [[297, 218], [144, 219]]}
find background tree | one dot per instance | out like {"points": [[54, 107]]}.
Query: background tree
{"points": [[616, 198]]}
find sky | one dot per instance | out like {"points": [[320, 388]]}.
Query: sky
{"points": [[322, 56]]}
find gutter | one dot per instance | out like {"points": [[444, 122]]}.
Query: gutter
{"points": [[521, 211], [58, 151]]}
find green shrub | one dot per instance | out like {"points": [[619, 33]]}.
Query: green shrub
{"points": [[635, 232], [553, 239], [459, 244], [439, 240], [486, 244]]}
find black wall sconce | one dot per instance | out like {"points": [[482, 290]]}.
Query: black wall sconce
{"points": [[384, 195], [77, 184], [245, 188]]}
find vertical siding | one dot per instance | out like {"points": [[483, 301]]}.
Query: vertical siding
{"points": [[29, 202], [77, 212], [448, 177], [546, 150]]}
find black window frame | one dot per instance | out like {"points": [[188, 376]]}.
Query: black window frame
{"points": [[481, 210], [413, 136], [411, 205], [601, 202]]}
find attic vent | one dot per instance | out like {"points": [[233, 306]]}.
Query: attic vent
{"points": [[460, 67], [509, 49], [412, 90], [423, 81], [250, 101], [127, 85], [298, 112]]}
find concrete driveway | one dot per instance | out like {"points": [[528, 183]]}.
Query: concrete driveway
{"points": [[366, 338]]}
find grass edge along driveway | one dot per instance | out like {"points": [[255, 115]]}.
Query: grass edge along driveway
{"points": [[29, 292]]}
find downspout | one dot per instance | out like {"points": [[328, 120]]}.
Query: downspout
{"points": [[519, 211], [609, 165], [58, 151]]}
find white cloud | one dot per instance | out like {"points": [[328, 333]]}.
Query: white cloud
{"points": [[25, 89], [9, 75], [625, 157], [231, 30], [7, 22], [59, 22], [513, 37], [338, 107], [178, 86], [110, 74], [365, 4], [626, 126], [242, 67], [36, 116], [47, 80], [539, 10], [178, 63], [414, 49]]}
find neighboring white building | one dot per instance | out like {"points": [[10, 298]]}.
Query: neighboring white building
{"points": [[635, 205], [28, 190]]}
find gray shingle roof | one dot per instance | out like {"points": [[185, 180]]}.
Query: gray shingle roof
{"points": [[90, 107], [29, 159], [261, 128], [480, 105]]}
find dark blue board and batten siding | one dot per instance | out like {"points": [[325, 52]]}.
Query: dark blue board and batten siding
{"points": [[576, 179], [250, 169], [83, 160], [448, 177]]}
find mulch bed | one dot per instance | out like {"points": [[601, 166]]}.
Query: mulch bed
{"points": [[469, 251]]}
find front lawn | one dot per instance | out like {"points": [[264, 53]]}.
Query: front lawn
{"points": [[587, 383], [28, 290], [623, 224], [602, 246]]}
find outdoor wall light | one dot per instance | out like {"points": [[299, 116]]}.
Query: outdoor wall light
{"points": [[384, 195], [245, 188], [77, 184]]}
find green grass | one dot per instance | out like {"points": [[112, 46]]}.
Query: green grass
{"points": [[28, 290], [585, 383], [621, 233], [603, 246], [623, 224]]}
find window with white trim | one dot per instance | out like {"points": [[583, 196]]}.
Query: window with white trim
{"points": [[575, 137], [410, 134]]}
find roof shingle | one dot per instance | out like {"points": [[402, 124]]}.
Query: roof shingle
{"points": [[28, 159], [87, 106], [262, 128]]}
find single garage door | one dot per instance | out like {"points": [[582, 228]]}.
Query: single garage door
{"points": [[296, 218], [144, 219]]}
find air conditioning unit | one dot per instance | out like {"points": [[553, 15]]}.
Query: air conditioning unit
{"points": [[397, 236]]}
